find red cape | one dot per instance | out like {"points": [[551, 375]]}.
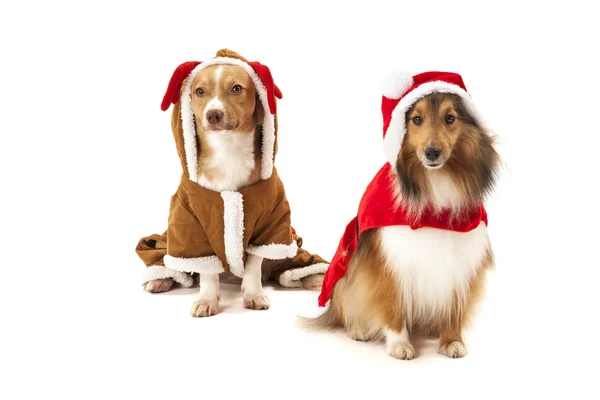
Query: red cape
{"points": [[378, 209]]}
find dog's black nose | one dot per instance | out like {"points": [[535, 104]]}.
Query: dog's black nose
{"points": [[433, 153], [214, 116]]}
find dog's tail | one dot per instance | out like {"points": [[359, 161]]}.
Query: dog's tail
{"points": [[330, 319]]}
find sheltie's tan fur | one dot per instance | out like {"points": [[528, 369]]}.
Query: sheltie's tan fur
{"points": [[376, 298]]}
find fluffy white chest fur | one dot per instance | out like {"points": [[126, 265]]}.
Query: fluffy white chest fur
{"points": [[443, 191], [432, 265], [233, 156]]}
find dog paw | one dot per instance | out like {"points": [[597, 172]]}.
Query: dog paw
{"points": [[256, 302], [204, 308], [453, 350], [401, 350], [159, 285], [312, 282]]}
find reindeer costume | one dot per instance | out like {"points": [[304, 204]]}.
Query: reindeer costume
{"points": [[212, 232]]}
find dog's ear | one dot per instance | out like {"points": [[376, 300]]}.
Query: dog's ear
{"points": [[173, 92], [264, 74], [230, 54]]}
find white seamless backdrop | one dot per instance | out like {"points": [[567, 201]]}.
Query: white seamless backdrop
{"points": [[88, 165]]}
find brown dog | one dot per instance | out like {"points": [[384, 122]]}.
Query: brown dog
{"points": [[226, 108], [230, 212]]}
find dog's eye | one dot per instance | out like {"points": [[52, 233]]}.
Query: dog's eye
{"points": [[237, 89], [417, 120], [200, 92], [449, 119]]}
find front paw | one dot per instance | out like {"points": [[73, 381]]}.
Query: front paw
{"points": [[159, 285], [256, 302], [204, 308], [453, 350], [401, 350]]}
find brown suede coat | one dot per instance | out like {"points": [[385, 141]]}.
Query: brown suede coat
{"points": [[212, 232]]}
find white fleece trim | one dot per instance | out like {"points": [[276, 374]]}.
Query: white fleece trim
{"points": [[189, 130], [203, 265], [159, 272], [291, 278], [274, 251], [233, 224], [397, 128]]}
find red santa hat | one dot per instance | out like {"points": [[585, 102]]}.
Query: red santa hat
{"points": [[401, 91], [179, 89]]}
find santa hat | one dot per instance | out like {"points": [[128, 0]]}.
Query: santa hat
{"points": [[179, 89], [401, 91]]}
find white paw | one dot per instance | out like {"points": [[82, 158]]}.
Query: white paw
{"points": [[204, 308], [256, 302], [453, 350], [401, 350]]}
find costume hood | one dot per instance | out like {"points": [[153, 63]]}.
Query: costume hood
{"points": [[184, 127]]}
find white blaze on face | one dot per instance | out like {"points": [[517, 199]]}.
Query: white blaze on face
{"points": [[215, 102]]}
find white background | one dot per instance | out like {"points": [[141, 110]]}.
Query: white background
{"points": [[88, 165]]}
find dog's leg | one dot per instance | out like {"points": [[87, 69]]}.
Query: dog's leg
{"points": [[398, 343], [208, 298], [252, 289], [451, 342]]}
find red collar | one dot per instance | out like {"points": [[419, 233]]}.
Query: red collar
{"points": [[378, 209]]}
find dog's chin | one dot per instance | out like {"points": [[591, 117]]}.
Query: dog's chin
{"points": [[434, 165], [437, 164], [221, 128]]}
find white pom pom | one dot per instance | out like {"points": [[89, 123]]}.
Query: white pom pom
{"points": [[395, 84]]}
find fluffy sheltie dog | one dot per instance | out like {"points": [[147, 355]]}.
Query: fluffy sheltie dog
{"points": [[414, 260]]}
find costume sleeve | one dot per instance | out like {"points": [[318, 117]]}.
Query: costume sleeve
{"points": [[289, 272], [188, 249], [152, 250]]}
